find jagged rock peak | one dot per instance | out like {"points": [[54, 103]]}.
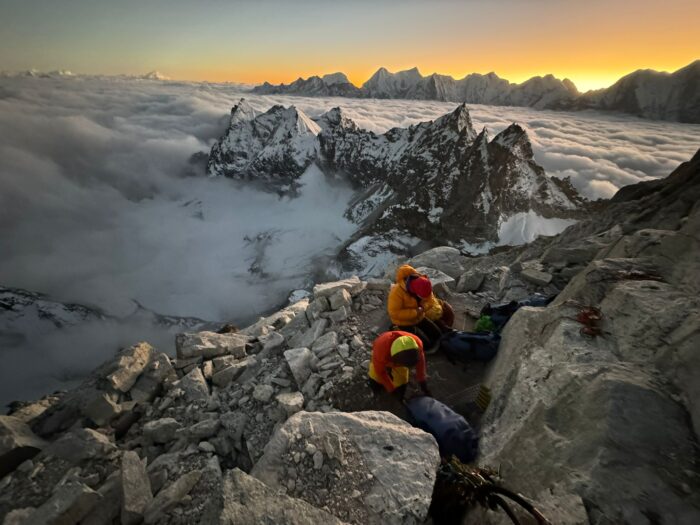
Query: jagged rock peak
{"points": [[242, 111], [292, 115], [515, 138], [335, 78], [459, 120], [336, 118]]}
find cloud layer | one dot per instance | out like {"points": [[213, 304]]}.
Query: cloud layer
{"points": [[100, 205]]}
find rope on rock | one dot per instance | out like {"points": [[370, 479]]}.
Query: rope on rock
{"points": [[473, 485]]}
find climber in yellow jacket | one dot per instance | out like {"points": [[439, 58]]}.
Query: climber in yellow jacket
{"points": [[414, 308]]}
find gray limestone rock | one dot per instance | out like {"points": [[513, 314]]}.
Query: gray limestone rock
{"points": [[316, 308], [204, 429], [136, 489], [536, 276], [324, 343], [307, 338], [470, 281], [263, 393], [68, 505], [130, 363], [170, 496], [17, 444], [612, 421], [299, 361], [379, 284], [352, 285], [291, 402], [194, 386], [247, 501], [78, 445], [439, 280], [339, 315], [232, 372], [210, 344], [273, 341], [340, 299], [102, 409], [395, 461], [443, 258], [161, 430]]}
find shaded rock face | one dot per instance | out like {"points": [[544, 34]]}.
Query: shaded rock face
{"points": [[598, 424], [433, 180], [652, 94]]}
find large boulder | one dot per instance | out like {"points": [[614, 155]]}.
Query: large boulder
{"points": [[194, 386], [130, 363], [81, 444], [17, 444], [443, 258], [247, 501], [69, 504], [136, 489], [590, 424], [210, 344], [440, 280], [353, 285], [365, 467]]}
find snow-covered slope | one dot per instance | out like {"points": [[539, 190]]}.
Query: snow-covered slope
{"points": [[279, 144], [434, 180]]}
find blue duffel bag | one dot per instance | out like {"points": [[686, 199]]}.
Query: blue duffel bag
{"points": [[501, 314], [470, 346], [454, 435]]}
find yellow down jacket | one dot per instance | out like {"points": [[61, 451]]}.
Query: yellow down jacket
{"points": [[403, 305]]}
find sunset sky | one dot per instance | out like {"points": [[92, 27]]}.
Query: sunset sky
{"points": [[593, 42]]}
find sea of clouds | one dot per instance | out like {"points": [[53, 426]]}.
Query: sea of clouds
{"points": [[100, 204]]}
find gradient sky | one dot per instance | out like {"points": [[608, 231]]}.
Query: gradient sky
{"points": [[592, 42]]}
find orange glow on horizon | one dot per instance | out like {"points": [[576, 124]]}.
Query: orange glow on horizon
{"points": [[584, 79]]}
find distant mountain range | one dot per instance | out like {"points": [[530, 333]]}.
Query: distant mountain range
{"points": [[645, 93]]}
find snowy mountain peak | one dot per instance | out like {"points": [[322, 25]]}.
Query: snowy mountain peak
{"points": [[277, 145], [242, 112], [335, 118], [335, 78], [460, 121], [515, 138]]}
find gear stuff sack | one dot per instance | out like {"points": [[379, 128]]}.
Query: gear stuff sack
{"points": [[468, 346], [501, 314], [454, 435]]}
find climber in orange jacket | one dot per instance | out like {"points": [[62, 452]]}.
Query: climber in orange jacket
{"points": [[414, 308], [393, 354]]}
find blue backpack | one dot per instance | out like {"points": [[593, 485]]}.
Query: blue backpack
{"points": [[453, 434], [470, 346]]}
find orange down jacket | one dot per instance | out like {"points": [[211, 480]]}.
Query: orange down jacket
{"points": [[403, 305]]}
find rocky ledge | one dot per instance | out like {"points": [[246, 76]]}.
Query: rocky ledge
{"points": [[274, 423]]}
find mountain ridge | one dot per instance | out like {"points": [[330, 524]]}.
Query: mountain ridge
{"points": [[645, 93], [436, 179]]}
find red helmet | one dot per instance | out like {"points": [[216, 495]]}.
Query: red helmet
{"points": [[421, 286]]}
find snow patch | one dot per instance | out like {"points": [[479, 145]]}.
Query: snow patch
{"points": [[525, 227]]}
